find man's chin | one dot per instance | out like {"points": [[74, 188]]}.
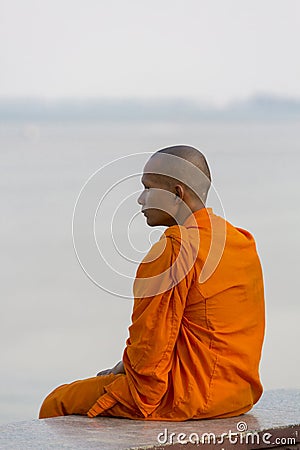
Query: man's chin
{"points": [[150, 220]]}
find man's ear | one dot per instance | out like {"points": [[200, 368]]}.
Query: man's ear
{"points": [[179, 192]]}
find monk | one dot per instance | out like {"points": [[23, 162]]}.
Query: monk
{"points": [[197, 329]]}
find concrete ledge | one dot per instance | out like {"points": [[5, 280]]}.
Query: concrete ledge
{"points": [[273, 423]]}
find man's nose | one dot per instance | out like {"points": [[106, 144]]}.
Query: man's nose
{"points": [[140, 200]]}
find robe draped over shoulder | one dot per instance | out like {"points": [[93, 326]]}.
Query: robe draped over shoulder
{"points": [[197, 329]]}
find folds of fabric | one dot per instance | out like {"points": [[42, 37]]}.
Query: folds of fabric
{"points": [[75, 398], [194, 345]]}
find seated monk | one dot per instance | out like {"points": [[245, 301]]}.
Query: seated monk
{"points": [[197, 329]]}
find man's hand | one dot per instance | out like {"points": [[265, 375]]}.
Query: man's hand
{"points": [[118, 368]]}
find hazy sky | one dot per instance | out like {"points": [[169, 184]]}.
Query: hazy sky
{"points": [[214, 50]]}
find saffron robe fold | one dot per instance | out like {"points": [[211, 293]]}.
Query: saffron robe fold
{"points": [[197, 328]]}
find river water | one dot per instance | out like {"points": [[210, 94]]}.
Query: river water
{"points": [[56, 324]]}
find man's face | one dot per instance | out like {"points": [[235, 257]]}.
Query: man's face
{"points": [[158, 202]]}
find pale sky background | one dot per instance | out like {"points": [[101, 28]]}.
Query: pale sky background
{"points": [[211, 50]]}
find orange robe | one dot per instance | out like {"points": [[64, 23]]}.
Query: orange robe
{"points": [[197, 330]]}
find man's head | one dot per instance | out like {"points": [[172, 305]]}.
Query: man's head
{"points": [[176, 182]]}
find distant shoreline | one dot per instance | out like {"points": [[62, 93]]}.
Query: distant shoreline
{"points": [[263, 107]]}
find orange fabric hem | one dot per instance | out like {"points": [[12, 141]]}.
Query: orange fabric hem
{"points": [[106, 401]]}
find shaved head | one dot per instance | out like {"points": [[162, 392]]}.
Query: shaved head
{"points": [[197, 181], [190, 154], [176, 182]]}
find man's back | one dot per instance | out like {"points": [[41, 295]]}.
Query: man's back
{"points": [[223, 324], [194, 351]]}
